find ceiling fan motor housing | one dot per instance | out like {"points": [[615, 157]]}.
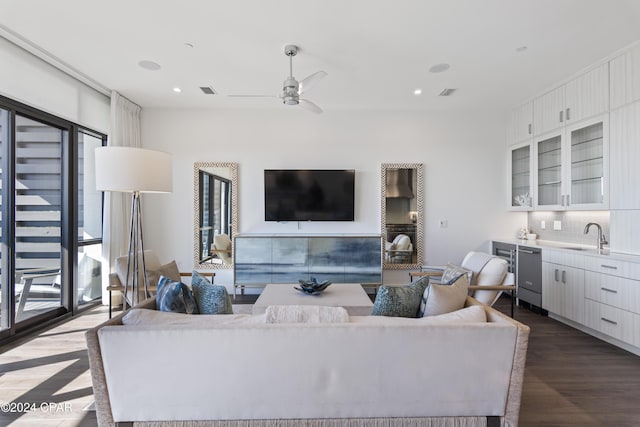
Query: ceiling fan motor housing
{"points": [[290, 94]]}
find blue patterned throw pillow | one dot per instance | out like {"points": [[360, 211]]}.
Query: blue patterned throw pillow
{"points": [[210, 298], [399, 301], [175, 297]]}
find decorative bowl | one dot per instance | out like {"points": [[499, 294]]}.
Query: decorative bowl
{"points": [[312, 287]]}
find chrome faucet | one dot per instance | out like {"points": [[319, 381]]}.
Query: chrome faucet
{"points": [[602, 239]]}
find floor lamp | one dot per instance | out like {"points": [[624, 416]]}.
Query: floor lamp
{"points": [[134, 170]]}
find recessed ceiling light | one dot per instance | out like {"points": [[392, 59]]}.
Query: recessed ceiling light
{"points": [[149, 65], [439, 68], [417, 91], [521, 49], [177, 90]]}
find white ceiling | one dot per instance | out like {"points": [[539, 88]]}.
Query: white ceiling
{"points": [[375, 52]]}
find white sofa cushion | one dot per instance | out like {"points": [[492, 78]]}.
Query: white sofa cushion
{"points": [[144, 317], [472, 314], [305, 314]]}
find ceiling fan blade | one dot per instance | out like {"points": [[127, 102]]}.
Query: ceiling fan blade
{"points": [[309, 81], [252, 96], [308, 105]]}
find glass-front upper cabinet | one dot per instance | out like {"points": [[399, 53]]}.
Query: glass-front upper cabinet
{"points": [[520, 162], [549, 171], [588, 169], [572, 167]]}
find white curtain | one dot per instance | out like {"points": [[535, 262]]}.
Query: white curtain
{"points": [[124, 131]]}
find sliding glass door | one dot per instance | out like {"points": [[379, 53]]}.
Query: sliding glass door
{"points": [[50, 218], [38, 207]]}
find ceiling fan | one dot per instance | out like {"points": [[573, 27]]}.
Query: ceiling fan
{"points": [[292, 89]]}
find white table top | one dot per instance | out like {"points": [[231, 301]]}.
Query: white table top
{"points": [[351, 296]]}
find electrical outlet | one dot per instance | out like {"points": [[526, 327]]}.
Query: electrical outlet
{"points": [[543, 225], [444, 223], [557, 225]]}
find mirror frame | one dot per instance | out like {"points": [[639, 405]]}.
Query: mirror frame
{"points": [[196, 211], [419, 194]]}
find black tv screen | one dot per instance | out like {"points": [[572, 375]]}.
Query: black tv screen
{"points": [[309, 195]]}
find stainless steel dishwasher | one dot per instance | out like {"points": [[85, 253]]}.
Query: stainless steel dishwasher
{"points": [[530, 275]]}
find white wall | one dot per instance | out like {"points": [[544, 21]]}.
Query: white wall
{"points": [[30, 80], [463, 153]]}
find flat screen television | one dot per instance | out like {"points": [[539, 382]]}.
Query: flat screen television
{"points": [[309, 195]]}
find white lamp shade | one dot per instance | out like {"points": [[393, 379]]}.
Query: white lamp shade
{"points": [[129, 169]]}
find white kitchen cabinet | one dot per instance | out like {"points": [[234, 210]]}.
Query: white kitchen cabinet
{"points": [[548, 111], [583, 97], [625, 157], [521, 177], [619, 324], [571, 167], [612, 298], [625, 78], [563, 291], [587, 95], [549, 171], [587, 164], [520, 124]]}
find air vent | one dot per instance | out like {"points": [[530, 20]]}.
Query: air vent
{"points": [[207, 90], [447, 92]]}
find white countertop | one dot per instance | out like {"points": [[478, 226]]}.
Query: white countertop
{"points": [[583, 249]]}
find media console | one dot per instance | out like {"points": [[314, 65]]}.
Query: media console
{"points": [[264, 259]]}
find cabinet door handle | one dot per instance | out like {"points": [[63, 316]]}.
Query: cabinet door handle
{"points": [[612, 267], [613, 291], [608, 321], [529, 128], [564, 276], [526, 251], [561, 116], [568, 117], [556, 275], [528, 283]]}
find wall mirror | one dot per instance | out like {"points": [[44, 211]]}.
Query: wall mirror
{"points": [[401, 217], [215, 207]]}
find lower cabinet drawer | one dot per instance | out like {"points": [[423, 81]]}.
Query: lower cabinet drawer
{"points": [[612, 321], [612, 290]]}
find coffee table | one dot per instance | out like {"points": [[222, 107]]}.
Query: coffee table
{"points": [[351, 296]]}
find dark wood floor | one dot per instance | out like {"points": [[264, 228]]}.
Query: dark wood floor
{"points": [[571, 378]]}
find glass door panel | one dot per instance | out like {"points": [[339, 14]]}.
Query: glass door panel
{"points": [[520, 177], [587, 165], [4, 282], [550, 171], [38, 197], [89, 222]]}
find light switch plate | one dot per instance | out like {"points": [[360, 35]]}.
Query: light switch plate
{"points": [[543, 225], [557, 225]]}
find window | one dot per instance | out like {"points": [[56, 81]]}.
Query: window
{"points": [[51, 218]]}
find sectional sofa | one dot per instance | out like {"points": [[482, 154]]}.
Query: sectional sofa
{"points": [[463, 368]]}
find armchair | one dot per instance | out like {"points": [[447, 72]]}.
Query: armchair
{"points": [[154, 270], [400, 250], [222, 248], [489, 277]]}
